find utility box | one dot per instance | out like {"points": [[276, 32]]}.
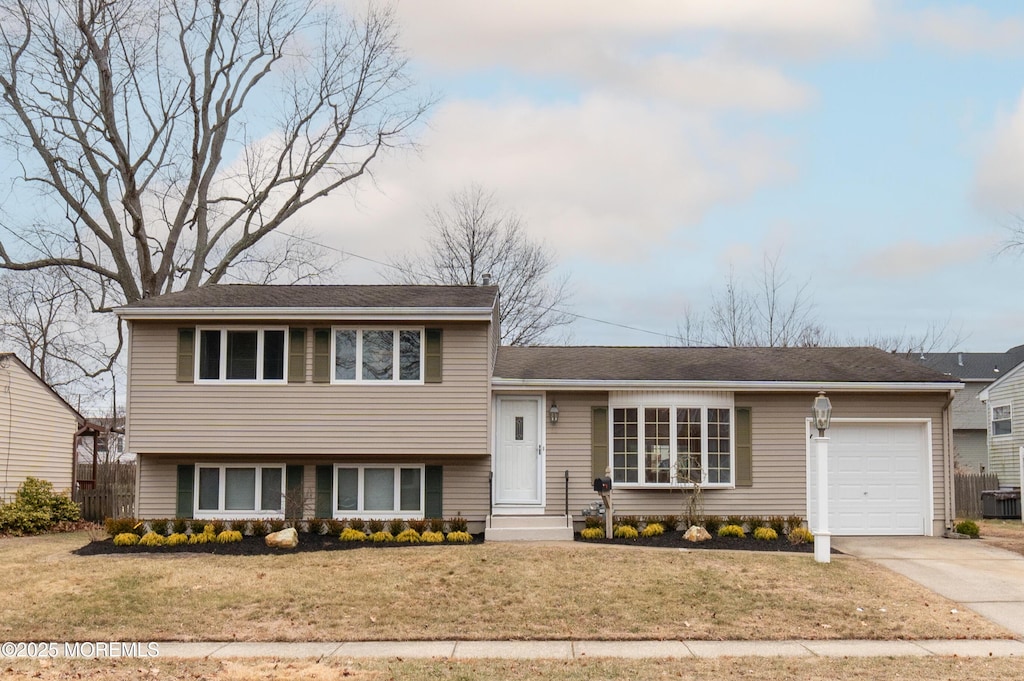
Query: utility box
{"points": [[1001, 503]]}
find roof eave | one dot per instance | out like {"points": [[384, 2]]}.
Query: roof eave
{"points": [[452, 314], [734, 386]]}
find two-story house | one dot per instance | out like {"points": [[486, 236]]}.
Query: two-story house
{"points": [[397, 401]]}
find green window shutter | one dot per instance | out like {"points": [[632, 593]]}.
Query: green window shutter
{"points": [[432, 353], [744, 448], [186, 490], [433, 506], [598, 441], [321, 355], [186, 355], [324, 487], [296, 355], [293, 501]]}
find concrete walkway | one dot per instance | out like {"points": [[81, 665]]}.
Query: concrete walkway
{"points": [[570, 650], [986, 579]]}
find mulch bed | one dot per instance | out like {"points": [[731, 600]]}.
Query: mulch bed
{"points": [[256, 546]]}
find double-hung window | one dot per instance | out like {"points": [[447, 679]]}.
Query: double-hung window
{"points": [[1002, 421], [249, 355], [377, 355], [378, 491], [239, 491], [665, 445]]}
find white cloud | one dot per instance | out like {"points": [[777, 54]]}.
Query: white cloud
{"points": [[913, 259], [964, 29], [999, 174]]}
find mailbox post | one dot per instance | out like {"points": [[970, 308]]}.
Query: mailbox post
{"points": [[603, 486]]}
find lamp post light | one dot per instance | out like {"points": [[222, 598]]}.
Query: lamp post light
{"points": [[821, 415]]}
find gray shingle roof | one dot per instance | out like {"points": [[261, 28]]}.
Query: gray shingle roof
{"points": [[858, 365], [323, 296], [973, 365]]}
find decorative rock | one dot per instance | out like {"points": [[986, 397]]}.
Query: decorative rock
{"points": [[285, 539], [696, 533]]}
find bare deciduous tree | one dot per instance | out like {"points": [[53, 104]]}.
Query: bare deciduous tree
{"points": [[173, 136], [473, 236]]}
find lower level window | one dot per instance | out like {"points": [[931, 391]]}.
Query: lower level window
{"points": [[378, 491], [240, 490]]}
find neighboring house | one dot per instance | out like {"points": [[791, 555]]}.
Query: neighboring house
{"points": [[397, 401], [38, 430], [1003, 401], [976, 370]]}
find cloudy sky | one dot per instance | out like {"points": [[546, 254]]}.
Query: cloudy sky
{"points": [[657, 145]]}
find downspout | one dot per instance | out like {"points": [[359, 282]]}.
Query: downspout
{"points": [[947, 455]]}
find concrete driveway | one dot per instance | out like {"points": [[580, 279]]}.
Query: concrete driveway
{"points": [[986, 579]]}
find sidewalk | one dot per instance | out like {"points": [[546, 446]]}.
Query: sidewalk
{"points": [[569, 650]]}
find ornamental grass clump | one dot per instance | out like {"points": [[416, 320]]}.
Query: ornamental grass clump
{"points": [[177, 539], [421, 525], [756, 521], [626, 532], [229, 537], [240, 526], [409, 536], [381, 537], [793, 522], [712, 524], [459, 537], [179, 526], [458, 524], [653, 530], [431, 537], [732, 531], [396, 526], [592, 533], [437, 525], [800, 535], [152, 539], [126, 539], [159, 526], [765, 534], [777, 523], [350, 534], [737, 520]]}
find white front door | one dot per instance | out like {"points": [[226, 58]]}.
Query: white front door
{"points": [[519, 455]]}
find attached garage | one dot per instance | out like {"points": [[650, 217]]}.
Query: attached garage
{"points": [[879, 478]]}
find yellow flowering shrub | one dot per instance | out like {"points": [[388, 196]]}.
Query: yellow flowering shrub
{"points": [[229, 536], [653, 530], [409, 536], [126, 539], [626, 532], [731, 531], [431, 537], [592, 533], [460, 537], [152, 539], [765, 534]]}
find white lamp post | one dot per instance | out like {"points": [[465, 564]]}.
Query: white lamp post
{"points": [[821, 415]]}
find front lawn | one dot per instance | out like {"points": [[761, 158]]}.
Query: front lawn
{"points": [[488, 591], [1006, 534]]}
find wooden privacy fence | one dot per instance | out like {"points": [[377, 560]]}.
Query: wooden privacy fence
{"points": [[967, 488], [110, 495], [99, 504]]}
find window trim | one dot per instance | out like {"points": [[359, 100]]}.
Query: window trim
{"points": [[221, 512], [361, 512], [396, 355], [260, 358], [673, 407], [1008, 420]]}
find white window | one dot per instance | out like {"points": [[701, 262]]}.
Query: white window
{"points": [[672, 445], [378, 491], [377, 355], [1002, 420], [239, 491], [243, 355]]}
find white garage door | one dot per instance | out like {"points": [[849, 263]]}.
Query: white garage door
{"points": [[879, 479]]}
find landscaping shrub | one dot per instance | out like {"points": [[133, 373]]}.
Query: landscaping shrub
{"points": [[968, 527], [276, 525], [374, 525], [793, 522], [217, 526], [351, 534], [628, 520], [653, 530], [200, 538], [418, 524], [756, 521], [396, 526], [458, 524], [196, 526], [409, 536], [800, 535], [260, 528], [179, 526], [765, 534], [431, 537], [669, 522], [116, 526], [777, 523], [459, 537], [592, 533], [626, 532], [228, 536], [159, 525], [593, 521], [239, 526], [177, 539], [712, 524], [36, 508], [126, 539], [381, 537], [359, 524], [732, 530], [152, 538], [737, 520], [437, 525], [334, 526]]}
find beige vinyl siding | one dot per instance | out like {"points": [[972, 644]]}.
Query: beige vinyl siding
{"points": [[37, 431], [1003, 451], [308, 419], [156, 493], [779, 454]]}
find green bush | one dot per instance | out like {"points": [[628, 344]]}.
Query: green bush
{"points": [[396, 526], [374, 525], [36, 508], [197, 526], [116, 526], [334, 526], [732, 530], [968, 527], [179, 526], [358, 524], [239, 526], [437, 525], [765, 534]]}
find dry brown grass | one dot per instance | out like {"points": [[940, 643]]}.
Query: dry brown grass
{"points": [[1006, 534], [766, 669], [490, 591]]}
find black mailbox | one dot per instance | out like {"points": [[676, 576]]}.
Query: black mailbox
{"points": [[602, 485]]}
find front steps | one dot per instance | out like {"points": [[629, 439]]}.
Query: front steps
{"points": [[528, 528]]}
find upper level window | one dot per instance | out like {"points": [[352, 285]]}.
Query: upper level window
{"points": [[379, 355], [241, 355], [679, 445], [1001, 420]]}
